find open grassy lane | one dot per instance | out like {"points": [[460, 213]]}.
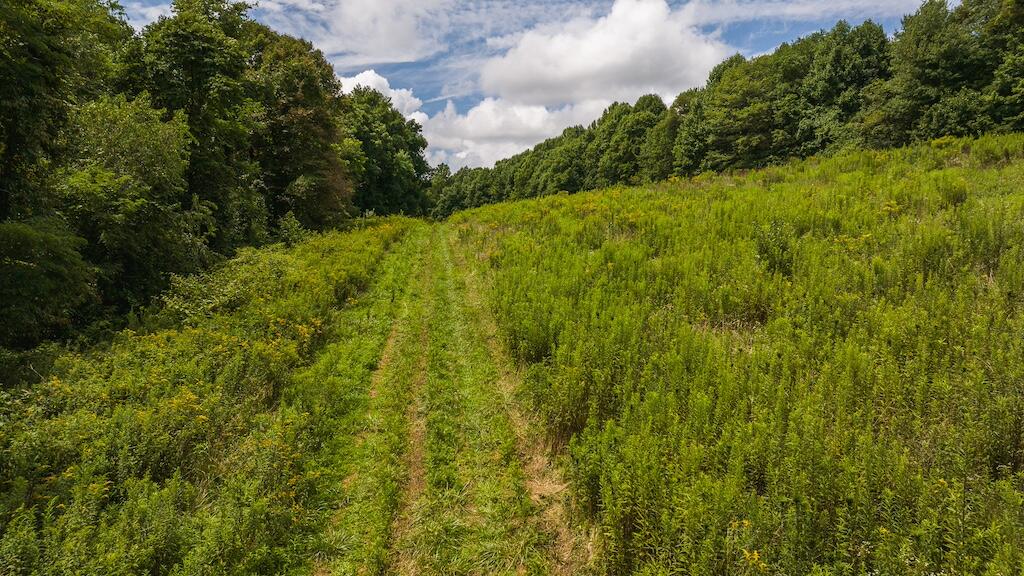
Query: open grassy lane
{"points": [[442, 477]]}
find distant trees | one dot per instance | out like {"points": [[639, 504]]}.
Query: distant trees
{"points": [[298, 141], [948, 72], [127, 157]]}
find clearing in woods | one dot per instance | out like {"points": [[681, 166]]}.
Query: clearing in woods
{"points": [[450, 474]]}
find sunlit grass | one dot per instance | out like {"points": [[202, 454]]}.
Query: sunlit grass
{"points": [[809, 369]]}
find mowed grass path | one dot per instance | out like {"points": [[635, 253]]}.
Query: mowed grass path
{"points": [[444, 475]]}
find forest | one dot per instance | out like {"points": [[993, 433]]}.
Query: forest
{"points": [[126, 158], [246, 328]]}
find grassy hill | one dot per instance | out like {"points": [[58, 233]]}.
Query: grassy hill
{"points": [[811, 369]]}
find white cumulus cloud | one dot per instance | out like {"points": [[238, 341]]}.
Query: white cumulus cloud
{"points": [[141, 15], [402, 98], [537, 66], [640, 46], [497, 128], [354, 33], [491, 130], [555, 75]]}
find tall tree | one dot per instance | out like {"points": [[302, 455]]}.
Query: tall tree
{"points": [[297, 148], [393, 175], [845, 62], [656, 151], [120, 189], [51, 54], [620, 162], [939, 66], [691, 141], [195, 61]]}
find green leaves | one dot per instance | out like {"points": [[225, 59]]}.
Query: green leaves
{"points": [[168, 148], [43, 279], [392, 173], [123, 192]]}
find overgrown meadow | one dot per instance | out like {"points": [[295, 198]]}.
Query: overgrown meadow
{"points": [[203, 442], [812, 369]]}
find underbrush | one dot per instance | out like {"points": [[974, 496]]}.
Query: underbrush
{"points": [[191, 445]]}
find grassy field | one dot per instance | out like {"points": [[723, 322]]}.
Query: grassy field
{"points": [[207, 442], [813, 369]]}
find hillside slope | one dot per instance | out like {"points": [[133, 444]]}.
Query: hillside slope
{"points": [[811, 369]]}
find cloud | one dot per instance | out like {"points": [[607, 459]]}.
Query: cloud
{"points": [[564, 71], [532, 66], [559, 74], [282, 5], [497, 128], [402, 98], [641, 46], [354, 33], [705, 12], [536, 66], [487, 132], [141, 15]]}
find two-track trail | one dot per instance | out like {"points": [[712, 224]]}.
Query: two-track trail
{"points": [[447, 475]]}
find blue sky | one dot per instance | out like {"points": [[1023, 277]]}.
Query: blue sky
{"points": [[489, 78]]}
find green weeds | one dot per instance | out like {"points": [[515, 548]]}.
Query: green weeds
{"points": [[474, 515], [811, 369], [197, 445]]}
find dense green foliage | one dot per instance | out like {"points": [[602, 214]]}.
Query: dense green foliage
{"points": [[948, 72], [390, 165], [126, 157], [811, 369], [757, 365], [199, 442]]}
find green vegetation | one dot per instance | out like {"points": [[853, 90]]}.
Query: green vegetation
{"points": [[811, 369], [203, 441], [808, 369], [320, 408], [749, 364], [127, 157], [473, 514], [948, 72]]}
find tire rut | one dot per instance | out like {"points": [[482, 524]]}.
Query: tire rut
{"points": [[572, 550]]}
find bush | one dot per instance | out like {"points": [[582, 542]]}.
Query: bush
{"points": [[43, 281], [291, 230]]}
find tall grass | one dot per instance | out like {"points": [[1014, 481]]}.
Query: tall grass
{"points": [[810, 369], [194, 445]]}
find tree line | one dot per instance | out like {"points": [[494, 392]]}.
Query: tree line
{"points": [[948, 72], [126, 157]]}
